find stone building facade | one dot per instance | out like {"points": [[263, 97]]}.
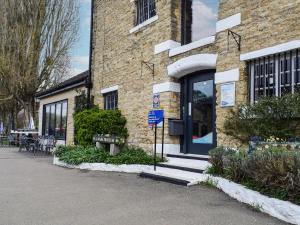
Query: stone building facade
{"points": [[137, 55]]}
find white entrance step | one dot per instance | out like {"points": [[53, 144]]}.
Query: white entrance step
{"points": [[189, 156], [174, 176], [191, 165], [178, 170]]}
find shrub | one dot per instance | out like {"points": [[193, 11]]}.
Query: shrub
{"points": [[83, 154], [274, 171], [270, 116], [95, 121], [216, 159]]}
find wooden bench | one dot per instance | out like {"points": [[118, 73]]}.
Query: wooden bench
{"points": [[114, 142]]}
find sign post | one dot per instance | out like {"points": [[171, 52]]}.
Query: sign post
{"points": [[156, 118]]}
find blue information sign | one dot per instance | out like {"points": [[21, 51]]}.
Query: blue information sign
{"points": [[156, 117]]}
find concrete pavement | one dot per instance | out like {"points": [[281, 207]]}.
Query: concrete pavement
{"points": [[34, 192]]}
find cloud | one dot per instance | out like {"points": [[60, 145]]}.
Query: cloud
{"points": [[204, 20], [86, 21], [85, 1], [82, 61], [73, 72]]}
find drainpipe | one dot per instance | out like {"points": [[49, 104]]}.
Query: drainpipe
{"points": [[89, 79]]}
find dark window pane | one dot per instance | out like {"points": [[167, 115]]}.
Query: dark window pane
{"points": [[47, 120], [64, 119], [58, 131], [52, 120], [145, 10], [111, 100]]}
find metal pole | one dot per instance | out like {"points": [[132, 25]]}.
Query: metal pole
{"points": [[155, 135], [163, 139]]}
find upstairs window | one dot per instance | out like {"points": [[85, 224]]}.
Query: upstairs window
{"points": [[274, 75], [145, 10], [111, 100], [199, 18]]}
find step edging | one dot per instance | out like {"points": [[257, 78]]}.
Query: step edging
{"points": [[163, 178]]}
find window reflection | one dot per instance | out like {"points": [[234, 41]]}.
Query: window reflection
{"points": [[55, 119], [199, 19]]}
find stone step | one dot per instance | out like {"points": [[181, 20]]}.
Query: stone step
{"points": [[174, 176], [193, 165], [189, 156]]}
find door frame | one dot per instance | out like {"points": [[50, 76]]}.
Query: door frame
{"points": [[184, 104]]}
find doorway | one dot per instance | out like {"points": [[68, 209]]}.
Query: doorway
{"points": [[198, 112]]}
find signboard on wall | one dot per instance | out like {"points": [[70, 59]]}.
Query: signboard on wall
{"points": [[156, 101], [228, 94]]}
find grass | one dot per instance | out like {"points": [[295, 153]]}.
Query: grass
{"points": [[79, 154]]}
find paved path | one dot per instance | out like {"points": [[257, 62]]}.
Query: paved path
{"points": [[34, 192]]}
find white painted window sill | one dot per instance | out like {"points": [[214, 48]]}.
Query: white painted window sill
{"points": [[191, 46], [146, 23]]}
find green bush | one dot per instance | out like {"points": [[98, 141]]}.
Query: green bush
{"points": [[95, 121], [269, 117], [274, 171], [83, 154]]}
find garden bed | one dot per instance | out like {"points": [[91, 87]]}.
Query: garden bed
{"points": [[76, 155], [133, 168], [282, 210]]}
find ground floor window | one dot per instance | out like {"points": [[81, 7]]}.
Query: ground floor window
{"points": [[55, 119], [274, 75], [111, 100]]}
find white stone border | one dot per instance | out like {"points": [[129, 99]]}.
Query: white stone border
{"points": [[196, 44], [271, 50], [192, 64], [282, 210], [147, 22], [164, 46], [227, 76], [104, 167], [229, 22], [110, 89], [166, 87]]}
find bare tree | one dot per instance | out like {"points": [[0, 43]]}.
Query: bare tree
{"points": [[35, 40]]}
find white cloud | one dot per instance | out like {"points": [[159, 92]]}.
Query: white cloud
{"points": [[86, 22], [85, 1], [73, 72], [81, 61], [204, 20]]}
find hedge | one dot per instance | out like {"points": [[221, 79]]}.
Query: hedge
{"points": [[96, 121]]}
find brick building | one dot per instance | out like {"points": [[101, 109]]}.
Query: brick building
{"points": [[201, 58]]}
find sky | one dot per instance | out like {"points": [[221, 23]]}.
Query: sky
{"points": [[80, 49]]}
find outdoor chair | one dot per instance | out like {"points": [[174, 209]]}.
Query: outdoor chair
{"points": [[23, 143], [50, 144], [11, 140]]}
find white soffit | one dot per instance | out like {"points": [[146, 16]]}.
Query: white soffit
{"points": [[110, 89], [166, 87], [271, 50], [229, 22], [227, 76], [192, 64], [164, 46], [147, 22], [191, 46]]}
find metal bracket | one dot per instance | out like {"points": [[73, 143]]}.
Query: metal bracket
{"points": [[237, 38], [149, 65]]}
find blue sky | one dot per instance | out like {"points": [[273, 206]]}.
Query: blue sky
{"points": [[80, 50]]}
